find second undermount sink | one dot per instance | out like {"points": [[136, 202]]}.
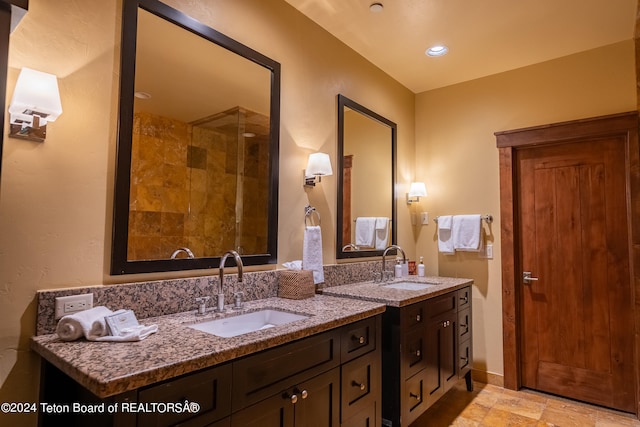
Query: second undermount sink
{"points": [[232, 326], [410, 286]]}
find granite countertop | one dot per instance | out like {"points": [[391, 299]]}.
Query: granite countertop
{"points": [[379, 292], [110, 368]]}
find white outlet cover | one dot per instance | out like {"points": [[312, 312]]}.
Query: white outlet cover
{"points": [[84, 300]]}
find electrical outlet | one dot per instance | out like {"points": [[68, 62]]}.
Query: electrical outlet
{"points": [[73, 304]]}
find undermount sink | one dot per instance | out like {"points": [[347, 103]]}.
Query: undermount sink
{"points": [[232, 326], [410, 286]]}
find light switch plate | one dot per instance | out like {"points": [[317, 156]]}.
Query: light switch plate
{"points": [[424, 218], [72, 304], [488, 251]]}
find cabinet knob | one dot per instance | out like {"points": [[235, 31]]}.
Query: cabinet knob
{"points": [[304, 394], [464, 299], [415, 396], [361, 386], [417, 353], [463, 325], [293, 398], [418, 318], [358, 339], [446, 323]]}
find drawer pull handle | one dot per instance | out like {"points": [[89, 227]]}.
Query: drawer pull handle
{"points": [[463, 325], [415, 396], [361, 386], [464, 299], [417, 353], [359, 339], [464, 359]]}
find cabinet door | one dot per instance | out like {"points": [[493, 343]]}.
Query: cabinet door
{"points": [[319, 401], [441, 372], [276, 411]]}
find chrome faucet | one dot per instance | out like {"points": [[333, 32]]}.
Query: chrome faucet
{"points": [[237, 295], [384, 256], [185, 250]]}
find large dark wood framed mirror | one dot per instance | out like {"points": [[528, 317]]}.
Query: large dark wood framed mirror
{"points": [[367, 221], [198, 146]]}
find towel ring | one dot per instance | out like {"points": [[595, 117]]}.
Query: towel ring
{"points": [[308, 211]]}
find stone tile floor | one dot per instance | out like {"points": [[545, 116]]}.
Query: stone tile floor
{"points": [[493, 406]]}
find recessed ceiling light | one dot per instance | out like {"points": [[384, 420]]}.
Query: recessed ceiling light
{"points": [[142, 95], [376, 7], [437, 50]]}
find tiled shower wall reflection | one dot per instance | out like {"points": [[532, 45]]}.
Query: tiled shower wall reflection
{"points": [[184, 184]]}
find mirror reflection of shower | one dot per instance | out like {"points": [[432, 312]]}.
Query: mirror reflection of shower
{"points": [[236, 144]]}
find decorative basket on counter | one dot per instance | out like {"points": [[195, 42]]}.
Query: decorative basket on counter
{"points": [[296, 284]]}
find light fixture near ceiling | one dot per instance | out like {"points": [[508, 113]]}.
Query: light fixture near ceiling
{"points": [[376, 7], [437, 50]]}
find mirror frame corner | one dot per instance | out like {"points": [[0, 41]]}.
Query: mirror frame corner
{"points": [[344, 102]]}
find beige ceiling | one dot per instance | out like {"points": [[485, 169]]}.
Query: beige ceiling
{"points": [[484, 36]]}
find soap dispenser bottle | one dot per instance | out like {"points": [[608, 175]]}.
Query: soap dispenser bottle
{"points": [[421, 268], [398, 268]]}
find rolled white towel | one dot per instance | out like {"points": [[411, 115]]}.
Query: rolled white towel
{"points": [[99, 327], [74, 326]]}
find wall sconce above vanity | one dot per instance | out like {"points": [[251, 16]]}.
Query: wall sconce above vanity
{"points": [[35, 102], [319, 165], [416, 190]]}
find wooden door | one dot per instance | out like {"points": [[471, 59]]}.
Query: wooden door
{"points": [[576, 319]]}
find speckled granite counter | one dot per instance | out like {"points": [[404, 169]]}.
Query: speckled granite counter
{"points": [[108, 368], [379, 292]]}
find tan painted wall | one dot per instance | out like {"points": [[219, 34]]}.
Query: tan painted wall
{"points": [[56, 197], [457, 156]]}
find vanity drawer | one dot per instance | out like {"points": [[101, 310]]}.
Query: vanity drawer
{"points": [[413, 352], [414, 398], [466, 358], [464, 324], [360, 383], [261, 375], [358, 338], [211, 389], [413, 315], [442, 304], [464, 298]]}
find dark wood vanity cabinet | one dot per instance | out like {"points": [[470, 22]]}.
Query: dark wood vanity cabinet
{"points": [[329, 379], [426, 349]]}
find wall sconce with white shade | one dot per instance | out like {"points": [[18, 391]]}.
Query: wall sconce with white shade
{"points": [[35, 102], [319, 165], [416, 190]]}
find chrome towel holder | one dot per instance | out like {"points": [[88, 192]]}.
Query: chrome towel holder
{"points": [[308, 212], [488, 218]]}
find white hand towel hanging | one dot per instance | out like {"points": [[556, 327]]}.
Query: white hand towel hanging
{"points": [[445, 240], [312, 252], [466, 232], [382, 232], [365, 231]]}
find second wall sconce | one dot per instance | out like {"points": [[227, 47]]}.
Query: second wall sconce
{"points": [[35, 102], [319, 165], [416, 190]]}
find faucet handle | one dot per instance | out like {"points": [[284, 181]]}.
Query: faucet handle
{"points": [[202, 305], [237, 300]]}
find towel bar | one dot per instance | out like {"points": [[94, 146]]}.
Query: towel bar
{"points": [[488, 218]]}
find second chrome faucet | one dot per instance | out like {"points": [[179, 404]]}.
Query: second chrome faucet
{"points": [[236, 295]]}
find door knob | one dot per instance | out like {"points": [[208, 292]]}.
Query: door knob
{"points": [[527, 279]]}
